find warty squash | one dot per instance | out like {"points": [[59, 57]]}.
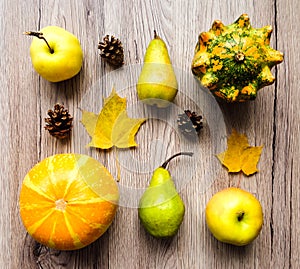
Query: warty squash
{"points": [[235, 61]]}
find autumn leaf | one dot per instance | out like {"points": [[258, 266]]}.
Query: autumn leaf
{"points": [[112, 127], [240, 156]]}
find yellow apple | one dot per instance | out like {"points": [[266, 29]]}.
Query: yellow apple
{"points": [[56, 54], [234, 216]]}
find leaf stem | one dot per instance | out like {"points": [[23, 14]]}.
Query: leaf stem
{"points": [[40, 36], [117, 164]]}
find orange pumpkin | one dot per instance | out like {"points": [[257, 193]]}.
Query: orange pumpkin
{"points": [[67, 201]]}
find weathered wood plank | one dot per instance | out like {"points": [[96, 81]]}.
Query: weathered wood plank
{"points": [[5, 187], [285, 214], [272, 120], [23, 125]]}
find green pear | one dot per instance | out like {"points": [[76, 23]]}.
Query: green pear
{"points": [[161, 209], [157, 83]]}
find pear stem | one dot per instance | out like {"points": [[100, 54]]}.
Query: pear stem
{"points": [[155, 35], [164, 165], [40, 36]]}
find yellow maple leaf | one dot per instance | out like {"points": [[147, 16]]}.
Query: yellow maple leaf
{"points": [[239, 155], [112, 127]]}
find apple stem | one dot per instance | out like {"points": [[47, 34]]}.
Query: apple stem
{"points": [[240, 216], [164, 165], [40, 36]]}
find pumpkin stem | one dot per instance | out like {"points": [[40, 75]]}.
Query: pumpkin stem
{"points": [[40, 36], [239, 57], [60, 204]]}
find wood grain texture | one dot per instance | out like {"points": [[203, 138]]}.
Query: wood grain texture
{"points": [[271, 120]]}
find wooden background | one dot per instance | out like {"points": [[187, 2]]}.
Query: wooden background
{"points": [[272, 120]]}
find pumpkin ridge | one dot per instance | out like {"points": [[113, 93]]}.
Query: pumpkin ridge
{"points": [[75, 210], [96, 229], [76, 241], [32, 229], [72, 172], [60, 183], [70, 183], [29, 184], [74, 183], [81, 217], [52, 241], [111, 198]]}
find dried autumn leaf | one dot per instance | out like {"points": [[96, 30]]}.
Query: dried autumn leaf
{"points": [[89, 120], [112, 127], [240, 156]]}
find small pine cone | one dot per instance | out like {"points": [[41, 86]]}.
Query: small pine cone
{"points": [[112, 50], [189, 123], [59, 123]]}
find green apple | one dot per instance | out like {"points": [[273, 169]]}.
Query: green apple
{"points": [[234, 216], [56, 54]]}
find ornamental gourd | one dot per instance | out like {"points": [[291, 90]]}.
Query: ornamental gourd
{"points": [[235, 61], [67, 201]]}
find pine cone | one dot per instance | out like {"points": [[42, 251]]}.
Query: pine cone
{"points": [[189, 123], [112, 50], [59, 123]]}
